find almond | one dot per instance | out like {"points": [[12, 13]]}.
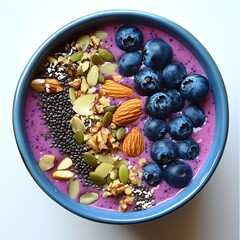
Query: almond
{"points": [[133, 144], [49, 85], [116, 90], [128, 112]]}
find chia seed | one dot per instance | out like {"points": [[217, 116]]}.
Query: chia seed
{"points": [[57, 112], [144, 198]]}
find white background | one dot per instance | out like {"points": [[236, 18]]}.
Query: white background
{"points": [[27, 213]]}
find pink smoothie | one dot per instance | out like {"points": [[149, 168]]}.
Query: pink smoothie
{"points": [[37, 129]]}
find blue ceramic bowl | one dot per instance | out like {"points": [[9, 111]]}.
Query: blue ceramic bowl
{"points": [[220, 98]]}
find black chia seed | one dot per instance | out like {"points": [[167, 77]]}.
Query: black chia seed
{"points": [[57, 112]]}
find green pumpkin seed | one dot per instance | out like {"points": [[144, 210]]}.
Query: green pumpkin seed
{"points": [[97, 60], [76, 124], [83, 42], [113, 174], [71, 93], [107, 119], [121, 162], [73, 188], [120, 134], [111, 108], [90, 159], [114, 131], [92, 76], [76, 56], [79, 71], [88, 198], [84, 104], [100, 34], [101, 78], [97, 179], [108, 69], [79, 136], [106, 55], [123, 174], [104, 169], [108, 179], [106, 158]]}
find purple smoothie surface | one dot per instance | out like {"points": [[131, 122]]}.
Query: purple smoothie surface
{"points": [[37, 128]]}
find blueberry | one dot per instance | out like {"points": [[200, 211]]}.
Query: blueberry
{"points": [[164, 151], [154, 129], [159, 105], [173, 75], [157, 53], [152, 174], [196, 114], [188, 149], [129, 63], [177, 99], [129, 38], [147, 81], [178, 174], [180, 127], [194, 88]]}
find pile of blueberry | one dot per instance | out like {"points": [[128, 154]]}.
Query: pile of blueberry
{"points": [[167, 86]]}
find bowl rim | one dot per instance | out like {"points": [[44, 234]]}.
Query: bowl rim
{"points": [[214, 155]]}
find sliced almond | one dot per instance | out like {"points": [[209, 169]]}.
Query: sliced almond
{"points": [[62, 175], [65, 164], [46, 162], [73, 188], [38, 85]]}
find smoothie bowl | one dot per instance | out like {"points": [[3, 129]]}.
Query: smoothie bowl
{"points": [[121, 116]]}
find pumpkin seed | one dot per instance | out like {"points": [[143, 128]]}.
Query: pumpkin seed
{"points": [[101, 78], [123, 174], [73, 188], [97, 60], [106, 55], [79, 136], [71, 93], [90, 159], [92, 76], [111, 108], [76, 124], [113, 174], [84, 104], [88, 198], [79, 71], [106, 158], [107, 119], [121, 162], [108, 68], [76, 56], [104, 169], [85, 66], [97, 179], [120, 134], [83, 42], [109, 180], [100, 34]]}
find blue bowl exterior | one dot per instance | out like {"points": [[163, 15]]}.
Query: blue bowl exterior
{"points": [[219, 94]]}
